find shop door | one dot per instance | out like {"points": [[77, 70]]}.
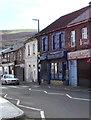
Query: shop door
{"points": [[73, 72]]}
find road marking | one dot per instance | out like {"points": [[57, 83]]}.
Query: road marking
{"points": [[61, 94], [5, 95], [31, 108], [46, 92], [42, 115], [68, 96], [24, 86], [77, 98]]}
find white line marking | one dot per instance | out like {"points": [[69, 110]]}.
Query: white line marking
{"points": [[55, 93], [42, 115], [77, 98], [30, 89], [61, 94], [81, 99], [36, 109], [46, 92], [31, 108], [5, 95], [68, 96], [24, 86], [18, 102]]}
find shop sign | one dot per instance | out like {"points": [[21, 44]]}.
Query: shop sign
{"points": [[43, 57], [84, 41], [79, 54], [56, 55]]}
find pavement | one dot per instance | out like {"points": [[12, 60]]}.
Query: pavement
{"points": [[59, 87], [8, 110]]}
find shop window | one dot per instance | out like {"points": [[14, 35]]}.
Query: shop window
{"points": [[72, 38], [45, 43], [56, 70], [84, 33]]}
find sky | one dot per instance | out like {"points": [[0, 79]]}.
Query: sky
{"points": [[18, 14]]}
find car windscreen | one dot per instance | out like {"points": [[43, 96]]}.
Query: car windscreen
{"points": [[9, 76]]}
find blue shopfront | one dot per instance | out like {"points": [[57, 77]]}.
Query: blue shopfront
{"points": [[54, 67]]}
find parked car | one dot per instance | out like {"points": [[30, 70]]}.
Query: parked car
{"points": [[9, 79]]}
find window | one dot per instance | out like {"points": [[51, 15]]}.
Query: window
{"points": [[55, 42], [84, 33], [28, 50], [56, 70], [20, 55], [45, 44], [33, 48], [62, 40], [72, 38], [58, 41]]}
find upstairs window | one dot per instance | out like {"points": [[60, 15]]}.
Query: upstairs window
{"points": [[45, 43], [28, 50], [62, 40], [84, 33], [73, 38], [58, 41], [55, 42], [33, 48]]}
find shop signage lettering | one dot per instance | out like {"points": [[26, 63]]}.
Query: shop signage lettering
{"points": [[43, 57], [80, 54], [56, 55]]}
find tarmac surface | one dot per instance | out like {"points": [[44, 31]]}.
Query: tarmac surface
{"points": [[9, 110]]}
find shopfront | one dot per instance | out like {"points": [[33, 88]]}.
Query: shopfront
{"points": [[80, 67], [53, 67]]}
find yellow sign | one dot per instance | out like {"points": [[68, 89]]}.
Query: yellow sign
{"points": [[39, 53]]}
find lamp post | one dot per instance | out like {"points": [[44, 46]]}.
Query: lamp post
{"points": [[38, 23], [38, 57]]}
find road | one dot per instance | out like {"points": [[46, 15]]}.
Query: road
{"points": [[45, 102]]}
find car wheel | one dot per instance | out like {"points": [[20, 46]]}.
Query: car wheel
{"points": [[17, 83]]}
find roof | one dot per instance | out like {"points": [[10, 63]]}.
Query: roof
{"points": [[12, 48], [63, 21], [1, 51]]}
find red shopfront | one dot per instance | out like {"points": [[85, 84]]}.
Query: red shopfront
{"points": [[83, 58]]}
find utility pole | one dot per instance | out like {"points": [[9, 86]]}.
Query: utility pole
{"points": [[38, 56]]}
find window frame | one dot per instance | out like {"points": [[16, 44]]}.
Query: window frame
{"points": [[45, 43], [28, 49], [84, 33], [60, 43], [33, 48], [73, 38]]}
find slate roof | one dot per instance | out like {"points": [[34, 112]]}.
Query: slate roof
{"points": [[63, 21], [13, 48]]}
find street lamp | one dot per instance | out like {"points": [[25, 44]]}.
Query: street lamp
{"points": [[38, 56], [38, 23]]}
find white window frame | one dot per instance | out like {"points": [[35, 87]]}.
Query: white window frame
{"points": [[73, 38], [84, 33]]}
